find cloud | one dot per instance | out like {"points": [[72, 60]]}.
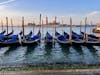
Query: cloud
{"points": [[2, 7], [6, 2], [93, 13], [3, 4]]}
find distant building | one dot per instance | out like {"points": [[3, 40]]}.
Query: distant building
{"points": [[46, 20], [31, 24], [54, 23]]}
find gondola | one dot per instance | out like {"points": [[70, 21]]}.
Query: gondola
{"points": [[48, 38], [29, 39], [57, 34], [28, 36], [75, 35], [12, 40], [76, 38], [5, 37], [85, 41], [33, 40], [61, 39], [77, 41], [90, 35], [2, 38]]}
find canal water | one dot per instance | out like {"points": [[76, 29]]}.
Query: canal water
{"points": [[54, 54]]}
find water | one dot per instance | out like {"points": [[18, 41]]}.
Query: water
{"points": [[43, 54]]}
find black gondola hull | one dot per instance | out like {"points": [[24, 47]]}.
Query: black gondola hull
{"points": [[86, 43], [32, 43], [10, 44]]}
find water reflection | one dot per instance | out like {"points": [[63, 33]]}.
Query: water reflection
{"points": [[11, 49], [48, 49], [91, 48], [30, 49], [65, 50], [78, 49], [3, 50], [89, 58]]}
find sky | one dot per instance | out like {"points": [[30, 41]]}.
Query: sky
{"points": [[63, 9]]}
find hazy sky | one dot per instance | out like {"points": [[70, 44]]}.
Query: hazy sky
{"points": [[77, 9]]}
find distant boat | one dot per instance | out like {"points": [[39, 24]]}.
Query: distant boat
{"points": [[48, 38], [97, 29]]}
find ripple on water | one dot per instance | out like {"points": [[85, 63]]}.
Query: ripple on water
{"points": [[88, 56], [15, 56]]}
